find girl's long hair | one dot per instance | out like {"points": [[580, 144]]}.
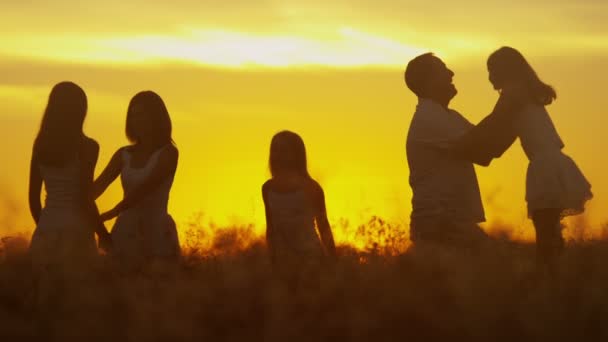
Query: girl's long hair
{"points": [[288, 154], [508, 63], [61, 128]]}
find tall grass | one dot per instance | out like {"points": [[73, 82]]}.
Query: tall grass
{"points": [[224, 290]]}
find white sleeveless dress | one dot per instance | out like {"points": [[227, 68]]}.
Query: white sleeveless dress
{"points": [[294, 234], [553, 179], [145, 231], [63, 237]]}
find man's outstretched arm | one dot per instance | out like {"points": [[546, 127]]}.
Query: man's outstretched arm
{"points": [[493, 135]]}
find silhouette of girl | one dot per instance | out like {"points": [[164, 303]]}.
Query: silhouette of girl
{"points": [[555, 187], [64, 158], [294, 204], [143, 231]]}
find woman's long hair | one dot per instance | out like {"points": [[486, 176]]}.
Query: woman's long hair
{"points": [[288, 154], [154, 108], [61, 128], [508, 63]]}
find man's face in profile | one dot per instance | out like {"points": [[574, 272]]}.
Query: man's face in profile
{"points": [[439, 81]]}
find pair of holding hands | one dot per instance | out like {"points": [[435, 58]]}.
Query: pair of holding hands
{"points": [[104, 238]]}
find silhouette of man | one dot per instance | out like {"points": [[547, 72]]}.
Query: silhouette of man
{"points": [[446, 203]]}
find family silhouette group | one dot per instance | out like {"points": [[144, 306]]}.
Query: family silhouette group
{"points": [[442, 147]]}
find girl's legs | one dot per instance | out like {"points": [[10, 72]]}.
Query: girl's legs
{"points": [[549, 240]]}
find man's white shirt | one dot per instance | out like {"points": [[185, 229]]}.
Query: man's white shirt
{"points": [[443, 187]]}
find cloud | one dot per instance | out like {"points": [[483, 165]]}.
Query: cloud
{"points": [[136, 16], [386, 17]]}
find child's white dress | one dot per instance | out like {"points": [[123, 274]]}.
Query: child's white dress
{"points": [[64, 237], [296, 244], [145, 231], [553, 180]]}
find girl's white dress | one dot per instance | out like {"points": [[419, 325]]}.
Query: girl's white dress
{"points": [[64, 237], [293, 223], [297, 248], [145, 231], [553, 180]]}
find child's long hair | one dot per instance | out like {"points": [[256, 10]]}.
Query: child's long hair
{"points": [[61, 126], [508, 63], [154, 106], [288, 154]]}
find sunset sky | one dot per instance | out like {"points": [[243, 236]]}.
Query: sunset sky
{"points": [[233, 73]]}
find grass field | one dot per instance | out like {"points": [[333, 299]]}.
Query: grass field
{"points": [[224, 290]]}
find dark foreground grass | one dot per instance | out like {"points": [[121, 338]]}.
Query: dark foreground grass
{"points": [[231, 295]]}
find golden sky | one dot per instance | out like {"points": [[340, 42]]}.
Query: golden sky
{"points": [[235, 72]]}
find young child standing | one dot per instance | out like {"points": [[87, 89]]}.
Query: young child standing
{"points": [[295, 212]]}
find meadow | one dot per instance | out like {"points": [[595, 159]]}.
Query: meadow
{"points": [[224, 290]]}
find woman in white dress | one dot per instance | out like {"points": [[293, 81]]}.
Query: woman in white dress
{"points": [[144, 231], [63, 159], [295, 211], [555, 187]]}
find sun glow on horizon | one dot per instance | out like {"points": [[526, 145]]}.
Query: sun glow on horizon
{"points": [[346, 47]]}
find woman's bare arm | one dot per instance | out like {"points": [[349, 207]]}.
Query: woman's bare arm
{"points": [[165, 167], [327, 238], [89, 156], [35, 187], [269, 228], [108, 175]]}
